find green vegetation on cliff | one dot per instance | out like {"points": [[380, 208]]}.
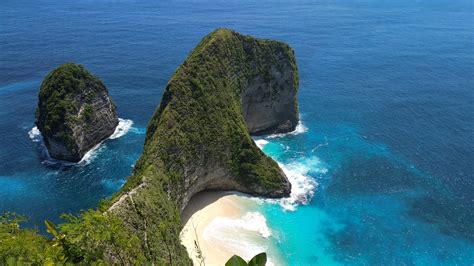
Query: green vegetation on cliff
{"points": [[200, 117], [56, 97], [74, 112]]}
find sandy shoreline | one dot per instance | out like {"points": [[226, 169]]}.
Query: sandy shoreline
{"points": [[224, 224], [197, 216]]}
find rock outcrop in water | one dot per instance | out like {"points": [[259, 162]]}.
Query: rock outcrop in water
{"points": [[74, 112], [199, 137]]}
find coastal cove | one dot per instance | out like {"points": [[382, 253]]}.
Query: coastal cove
{"points": [[380, 165]]}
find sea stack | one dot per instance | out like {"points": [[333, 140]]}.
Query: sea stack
{"points": [[75, 112]]}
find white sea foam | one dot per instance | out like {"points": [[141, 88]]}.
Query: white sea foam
{"points": [[239, 235], [35, 135], [261, 143], [37, 138], [122, 128], [91, 154], [250, 221], [302, 185], [300, 129]]}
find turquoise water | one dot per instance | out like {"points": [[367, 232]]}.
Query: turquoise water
{"points": [[384, 167], [365, 206]]}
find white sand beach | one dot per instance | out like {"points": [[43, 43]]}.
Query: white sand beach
{"points": [[224, 224]]}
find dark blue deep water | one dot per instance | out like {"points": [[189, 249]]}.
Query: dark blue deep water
{"points": [[386, 95]]}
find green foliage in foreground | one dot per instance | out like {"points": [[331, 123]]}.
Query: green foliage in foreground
{"points": [[19, 245], [83, 239], [258, 260]]}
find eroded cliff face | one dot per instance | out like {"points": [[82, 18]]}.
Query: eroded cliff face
{"points": [[75, 112], [269, 103], [231, 85]]}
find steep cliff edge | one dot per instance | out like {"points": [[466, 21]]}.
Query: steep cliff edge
{"points": [[268, 99], [199, 137], [74, 112]]}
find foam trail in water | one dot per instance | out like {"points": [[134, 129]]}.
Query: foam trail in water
{"points": [[138, 130], [35, 135]]}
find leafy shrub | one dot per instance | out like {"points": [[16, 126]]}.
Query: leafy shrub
{"points": [[258, 260]]}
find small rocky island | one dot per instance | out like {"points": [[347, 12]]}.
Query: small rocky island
{"points": [[75, 112]]}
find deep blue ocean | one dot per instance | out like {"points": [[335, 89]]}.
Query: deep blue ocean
{"points": [[386, 97]]}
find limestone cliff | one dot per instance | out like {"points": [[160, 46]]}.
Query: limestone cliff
{"points": [[230, 85], [268, 99], [74, 112]]}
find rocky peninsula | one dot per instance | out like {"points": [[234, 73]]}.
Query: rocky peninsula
{"points": [[75, 112], [230, 86]]}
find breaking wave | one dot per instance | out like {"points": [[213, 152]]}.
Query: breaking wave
{"points": [[34, 134], [261, 143], [122, 128], [302, 185], [298, 172], [299, 129], [91, 154]]}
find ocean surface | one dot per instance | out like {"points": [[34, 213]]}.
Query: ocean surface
{"points": [[382, 165]]}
